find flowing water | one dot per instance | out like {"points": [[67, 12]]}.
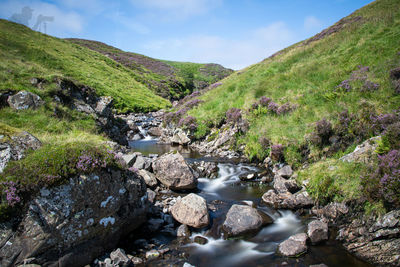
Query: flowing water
{"points": [[256, 250]]}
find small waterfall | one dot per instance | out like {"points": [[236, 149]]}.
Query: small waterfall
{"points": [[143, 132]]}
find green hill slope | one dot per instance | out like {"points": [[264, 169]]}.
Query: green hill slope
{"points": [[25, 54], [346, 67], [168, 79]]}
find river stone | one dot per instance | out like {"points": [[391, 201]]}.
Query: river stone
{"points": [[317, 231], [148, 178], [180, 137], [152, 254], [129, 159], [191, 210], [285, 172], [119, 257], [242, 219], [183, 231], [73, 223], [288, 200], [154, 131], [294, 246], [24, 100], [172, 170]]}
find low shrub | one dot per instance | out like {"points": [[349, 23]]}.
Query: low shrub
{"points": [[189, 123]]}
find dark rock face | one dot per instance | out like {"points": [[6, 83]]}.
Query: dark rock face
{"points": [[72, 224], [191, 210], [294, 246], [375, 240], [24, 100], [242, 219], [14, 148], [172, 171]]}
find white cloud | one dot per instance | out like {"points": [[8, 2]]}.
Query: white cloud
{"points": [[63, 23], [177, 9], [232, 53], [312, 23]]}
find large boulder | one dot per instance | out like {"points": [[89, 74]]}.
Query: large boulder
{"points": [[317, 231], [172, 170], [148, 178], [242, 219], [192, 211], [288, 200], [294, 246], [285, 171], [24, 100], [73, 223]]}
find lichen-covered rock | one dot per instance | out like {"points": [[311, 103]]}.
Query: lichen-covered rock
{"points": [[294, 246], [13, 147], [317, 231], [24, 100], [285, 171], [205, 169], [242, 219], [364, 152], [192, 211], [73, 223], [180, 137], [172, 171]]}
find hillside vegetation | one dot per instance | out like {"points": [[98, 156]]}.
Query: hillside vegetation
{"points": [[314, 101], [25, 54], [169, 79]]}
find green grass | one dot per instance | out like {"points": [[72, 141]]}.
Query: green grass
{"points": [[25, 54], [307, 75]]}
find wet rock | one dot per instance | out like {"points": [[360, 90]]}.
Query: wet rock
{"points": [[73, 223], [248, 176], [154, 224], [180, 137], [172, 171], [183, 231], [186, 264], [205, 169], [288, 200], [319, 265], [376, 240], [192, 211], [242, 219], [24, 100], [285, 172], [200, 240], [148, 178], [363, 153], [152, 254], [135, 260], [119, 257], [294, 246], [317, 231]]}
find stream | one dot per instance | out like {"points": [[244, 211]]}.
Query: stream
{"points": [[255, 250]]}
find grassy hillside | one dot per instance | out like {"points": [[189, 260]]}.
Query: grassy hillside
{"points": [[25, 54], [309, 75], [169, 79]]}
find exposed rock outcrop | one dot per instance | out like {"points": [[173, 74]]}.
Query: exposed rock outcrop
{"points": [[288, 200], [24, 100], [192, 211], [364, 152], [73, 223]]}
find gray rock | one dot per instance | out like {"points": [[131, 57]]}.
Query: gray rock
{"points": [[5, 155], [285, 172], [24, 100], [191, 210], [172, 171], [103, 106], [140, 163], [73, 223], [183, 231], [148, 178], [151, 195], [154, 131], [364, 152], [319, 265], [288, 200], [180, 137], [317, 231], [242, 219], [294, 246], [119, 257], [332, 211], [129, 159], [282, 185], [152, 254]]}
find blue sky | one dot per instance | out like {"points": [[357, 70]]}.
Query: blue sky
{"points": [[233, 33]]}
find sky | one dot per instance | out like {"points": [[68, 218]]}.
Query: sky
{"points": [[234, 33]]}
